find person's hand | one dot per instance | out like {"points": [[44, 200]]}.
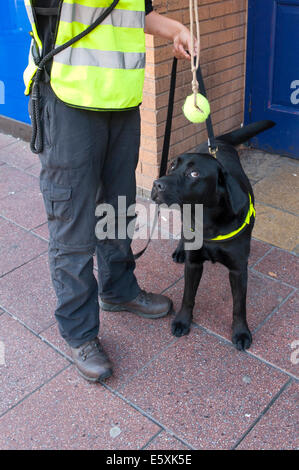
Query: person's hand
{"points": [[182, 44]]}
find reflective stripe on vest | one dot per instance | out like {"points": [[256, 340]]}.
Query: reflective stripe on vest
{"points": [[87, 15], [106, 59], [105, 69]]}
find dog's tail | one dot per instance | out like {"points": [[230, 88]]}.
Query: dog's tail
{"points": [[245, 133]]}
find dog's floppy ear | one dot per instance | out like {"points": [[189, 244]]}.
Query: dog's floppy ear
{"points": [[236, 196]]}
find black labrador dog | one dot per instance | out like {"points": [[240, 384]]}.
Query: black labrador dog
{"points": [[224, 190]]}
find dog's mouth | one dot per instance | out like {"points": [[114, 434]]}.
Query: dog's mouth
{"points": [[156, 196]]}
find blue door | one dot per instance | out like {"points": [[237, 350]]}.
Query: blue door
{"points": [[272, 76], [14, 49]]}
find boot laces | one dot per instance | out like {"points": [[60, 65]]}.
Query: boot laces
{"points": [[145, 297], [91, 347]]}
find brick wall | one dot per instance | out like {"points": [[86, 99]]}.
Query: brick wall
{"points": [[223, 32]]}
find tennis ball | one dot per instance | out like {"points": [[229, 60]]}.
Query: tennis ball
{"points": [[192, 113]]}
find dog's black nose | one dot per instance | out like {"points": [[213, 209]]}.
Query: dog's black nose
{"points": [[159, 185]]}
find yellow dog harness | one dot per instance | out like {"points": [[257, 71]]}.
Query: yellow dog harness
{"points": [[229, 236]]}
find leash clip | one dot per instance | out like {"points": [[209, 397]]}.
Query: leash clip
{"points": [[212, 150]]}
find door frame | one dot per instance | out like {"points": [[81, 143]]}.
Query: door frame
{"points": [[249, 60]]}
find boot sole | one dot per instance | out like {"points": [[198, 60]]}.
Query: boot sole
{"points": [[104, 376], [117, 308]]}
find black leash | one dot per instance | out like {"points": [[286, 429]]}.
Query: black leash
{"points": [[36, 143], [211, 137], [140, 253], [167, 134]]}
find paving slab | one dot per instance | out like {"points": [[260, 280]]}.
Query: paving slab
{"points": [[277, 341], [258, 165], [53, 337], [69, 413], [13, 180], [198, 387], [29, 363], [18, 154], [257, 250], [278, 189], [34, 169], [17, 246], [165, 441], [280, 265], [42, 231], [204, 391], [6, 139], [296, 249], [28, 294], [130, 342], [278, 428], [213, 305], [276, 226], [26, 207], [155, 270]]}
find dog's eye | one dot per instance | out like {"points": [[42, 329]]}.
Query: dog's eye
{"points": [[172, 165], [194, 174]]}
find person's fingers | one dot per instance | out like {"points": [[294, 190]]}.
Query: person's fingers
{"points": [[183, 52], [180, 52]]}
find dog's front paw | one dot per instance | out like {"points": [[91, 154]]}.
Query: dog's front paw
{"points": [[180, 328], [178, 255], [242, 340]]}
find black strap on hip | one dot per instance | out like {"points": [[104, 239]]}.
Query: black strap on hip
{"points": [[36, 143], [42, 11]]}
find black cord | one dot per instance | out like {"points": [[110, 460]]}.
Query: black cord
{"points": [[36, 143]]}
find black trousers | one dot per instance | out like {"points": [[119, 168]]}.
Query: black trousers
{"points": [[86, 155]]}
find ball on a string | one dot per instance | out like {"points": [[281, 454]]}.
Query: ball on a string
{"points": [[192, 113]]}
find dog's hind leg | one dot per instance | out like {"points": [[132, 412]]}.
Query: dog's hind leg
{"points": [[241, 336], [182, 321]]}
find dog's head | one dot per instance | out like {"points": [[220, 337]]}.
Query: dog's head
{"points": [[201, 179]]}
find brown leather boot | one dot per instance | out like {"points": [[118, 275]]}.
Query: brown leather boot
{"points": [[91, 361], [145, 305]]}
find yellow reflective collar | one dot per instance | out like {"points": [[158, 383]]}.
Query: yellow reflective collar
{"points": [[250, 213]]}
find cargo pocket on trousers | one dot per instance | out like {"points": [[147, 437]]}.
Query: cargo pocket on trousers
{"points": [[58, 202]]}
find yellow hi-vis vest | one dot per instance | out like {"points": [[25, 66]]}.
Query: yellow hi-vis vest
{"points": [[105, 69]]}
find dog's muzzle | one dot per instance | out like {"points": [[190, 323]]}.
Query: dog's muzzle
{"points": [[157, 189]]}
